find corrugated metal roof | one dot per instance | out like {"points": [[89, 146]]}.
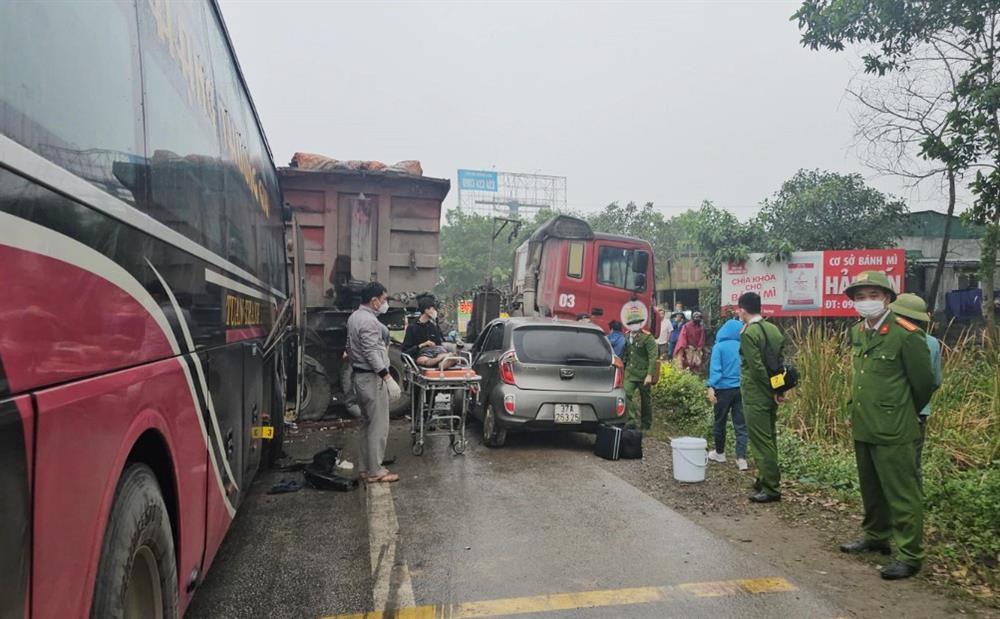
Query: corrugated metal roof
{"points": [[931, 224]]}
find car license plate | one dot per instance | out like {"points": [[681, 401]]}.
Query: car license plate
{"points": [[567, 413]]}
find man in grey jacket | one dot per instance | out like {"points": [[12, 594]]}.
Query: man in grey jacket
{"points": [[367, 343]]}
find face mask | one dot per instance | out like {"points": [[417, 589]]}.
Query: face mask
{"points": [[384, 307], [697, 321], [432, 314], [869, 308]]}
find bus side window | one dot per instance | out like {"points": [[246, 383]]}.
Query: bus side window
{"points": [[187, 174], [574, 265], [73, 96]]}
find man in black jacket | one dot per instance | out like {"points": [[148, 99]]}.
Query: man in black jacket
{"points": [[423, 340]]}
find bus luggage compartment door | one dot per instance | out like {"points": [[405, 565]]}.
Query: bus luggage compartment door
{"points": [[253, 389], [226, 388]]}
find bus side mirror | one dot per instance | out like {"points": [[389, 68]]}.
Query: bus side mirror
{"points": [[640, 282], [640, 262]]}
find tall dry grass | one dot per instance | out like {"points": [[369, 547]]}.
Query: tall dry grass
{"points": [[965, 411], [965, 418], [817, 409]]}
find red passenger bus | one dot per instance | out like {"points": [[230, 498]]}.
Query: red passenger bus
{"points": [[142, 262]]}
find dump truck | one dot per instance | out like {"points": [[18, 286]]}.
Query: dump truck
{"points": [[567, 271], [354, 222]]}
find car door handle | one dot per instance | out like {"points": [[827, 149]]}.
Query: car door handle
{"points": [[566, 374], [597, 311]]}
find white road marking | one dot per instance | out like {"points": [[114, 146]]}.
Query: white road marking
{"points": [[391, 584]]}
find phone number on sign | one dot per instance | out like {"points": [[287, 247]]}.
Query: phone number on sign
{"points": [[838, 304]]}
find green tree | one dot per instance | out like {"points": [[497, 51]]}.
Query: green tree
{"points": [[718, 237], [969, 30], [465, 251], [901, 114], [814, 210], [819, 210]]}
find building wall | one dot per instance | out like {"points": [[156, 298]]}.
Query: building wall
{"points": [[961, 264], [959, 250]]}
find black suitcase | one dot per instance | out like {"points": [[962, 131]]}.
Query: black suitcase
{"points": [[608, 443], [631, 444]]}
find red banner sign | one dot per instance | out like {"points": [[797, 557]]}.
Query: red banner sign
{"points": [[810, 283]]}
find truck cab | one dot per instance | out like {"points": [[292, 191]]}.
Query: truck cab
{"points": [[566, 270]]}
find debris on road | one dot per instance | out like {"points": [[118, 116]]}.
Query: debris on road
{"points": [[285, 486], [321, 473]]}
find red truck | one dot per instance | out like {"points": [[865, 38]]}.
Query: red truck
{"points": [[566, 270]]}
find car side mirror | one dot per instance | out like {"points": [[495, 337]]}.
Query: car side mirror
{"points": [[640, 262], [640, 282]]}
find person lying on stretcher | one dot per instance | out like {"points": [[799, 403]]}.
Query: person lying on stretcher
{"points": [[423, 340]]}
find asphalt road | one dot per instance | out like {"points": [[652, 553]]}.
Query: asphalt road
{"points": [[535, 529]]}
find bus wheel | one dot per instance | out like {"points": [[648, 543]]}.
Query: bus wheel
{"points": [[137, 574]]}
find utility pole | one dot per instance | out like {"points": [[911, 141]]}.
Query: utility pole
{"points": [[515, 228], [515, 225]]}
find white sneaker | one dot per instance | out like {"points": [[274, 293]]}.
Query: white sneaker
{"points": [[716, 457], [741, 464]]}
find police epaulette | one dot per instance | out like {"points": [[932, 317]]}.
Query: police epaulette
{"points": [[906, 324]]}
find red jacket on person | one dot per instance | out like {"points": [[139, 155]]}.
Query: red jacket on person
{"points": [[691, 335]]}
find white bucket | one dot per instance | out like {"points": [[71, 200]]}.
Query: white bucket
{"points": [[690, 458]]}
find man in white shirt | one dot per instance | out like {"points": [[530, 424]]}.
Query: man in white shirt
{"points": [[665, 327]]}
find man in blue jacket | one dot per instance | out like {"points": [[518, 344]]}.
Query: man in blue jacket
{"points": [[724, 392], [677, 320], [616, 338]]}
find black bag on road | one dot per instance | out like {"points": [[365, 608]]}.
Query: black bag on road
{"points": [[631, 447], [608, 445]]}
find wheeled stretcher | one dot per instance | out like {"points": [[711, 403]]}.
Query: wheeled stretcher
{"points": [[439, 400]]}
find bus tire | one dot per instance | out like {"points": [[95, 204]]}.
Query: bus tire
{"points": [[137, 573]]}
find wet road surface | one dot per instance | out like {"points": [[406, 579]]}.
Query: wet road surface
{"points": [[535, 529]]}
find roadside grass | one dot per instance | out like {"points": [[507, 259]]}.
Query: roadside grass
{"points": [[961, 455]]}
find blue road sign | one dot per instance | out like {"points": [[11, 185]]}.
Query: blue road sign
{"points": [[477, 180]]}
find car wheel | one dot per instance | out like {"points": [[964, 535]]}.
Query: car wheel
{"points": [[137, 573], [493, 434]]}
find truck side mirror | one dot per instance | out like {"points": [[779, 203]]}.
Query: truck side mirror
{"points": [[640, 262]]}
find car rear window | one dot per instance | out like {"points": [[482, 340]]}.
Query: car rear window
{"points": [[562, 346]]}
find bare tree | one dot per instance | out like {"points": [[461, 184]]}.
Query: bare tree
{"points": [[904, 128]]}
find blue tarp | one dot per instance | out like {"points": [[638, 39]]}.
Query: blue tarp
{"points": [[964, 304]]}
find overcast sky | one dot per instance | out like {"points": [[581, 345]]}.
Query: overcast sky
{"points": [[665, 102]]}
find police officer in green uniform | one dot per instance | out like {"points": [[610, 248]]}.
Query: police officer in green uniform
{"points": [[891, 381], [760, 404], [640, 365]]}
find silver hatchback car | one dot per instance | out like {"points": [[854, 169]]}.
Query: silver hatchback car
{"points": [[544, 374]]}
